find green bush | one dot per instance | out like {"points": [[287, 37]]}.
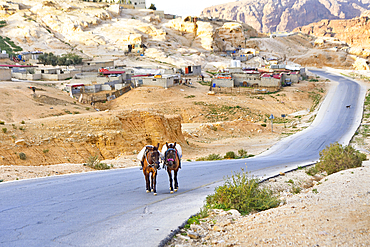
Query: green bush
{"points": [[93, 162], [5, 130], [22, 156], [230, 155], [242, 193], [242, 153], [210, 157], [263, 125], [336, 157]]}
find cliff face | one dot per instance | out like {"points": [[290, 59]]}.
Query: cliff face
{"points": [[355, 32], [276, 15], [73, 139]]}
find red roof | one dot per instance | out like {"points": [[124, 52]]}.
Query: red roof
{"points": [[112, 72], [142, 75]]}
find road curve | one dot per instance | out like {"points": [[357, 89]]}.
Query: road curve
{"points": [[111, 208]]}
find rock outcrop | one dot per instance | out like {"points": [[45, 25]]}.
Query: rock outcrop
{"points": [[71, 140], [355, 32], [271, 15]]}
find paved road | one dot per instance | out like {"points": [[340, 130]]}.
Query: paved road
{"points": [[111, 208]]}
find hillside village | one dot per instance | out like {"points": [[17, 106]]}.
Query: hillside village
{"points": [[158, 51]]}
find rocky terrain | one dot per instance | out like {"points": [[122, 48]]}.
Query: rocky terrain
{"points": [[329, 211], [355, 31], [271, 15], [97, 30]]}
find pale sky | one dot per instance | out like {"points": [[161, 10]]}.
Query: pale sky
{"points": [[185, 7]]}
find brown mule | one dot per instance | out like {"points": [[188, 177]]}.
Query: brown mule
{"points": [[151, 162], [172, 163]]}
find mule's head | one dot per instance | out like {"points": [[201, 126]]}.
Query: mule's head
{"points": [[171, 156], [153, 155]]}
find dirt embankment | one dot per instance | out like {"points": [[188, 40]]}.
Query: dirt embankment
{"points": [[71, 139]]}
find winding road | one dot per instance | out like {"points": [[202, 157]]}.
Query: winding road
{"points": [[111, 208]]}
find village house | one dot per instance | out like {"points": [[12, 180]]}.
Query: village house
{"points": [[5, 74], [191, 70], [223, 80], [54, 73], [95, 65], [270, 80], [31, 56], [164, 81], [248, 78]]}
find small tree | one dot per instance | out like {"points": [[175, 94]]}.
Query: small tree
{"points": [[152, 6], [336, 157]]}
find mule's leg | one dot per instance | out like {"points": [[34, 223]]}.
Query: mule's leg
{"points": [[170, 178], [147, 182], [175, 177], [154, 178], [151, 181]]}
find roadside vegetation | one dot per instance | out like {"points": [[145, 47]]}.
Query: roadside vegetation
{"points": [[243, 193], [248, 195], [335, 158], [363, 132], [94, 162], [229, 155]]}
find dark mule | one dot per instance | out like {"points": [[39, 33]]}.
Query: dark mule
{"points": [[172, 163], [151, 162]]}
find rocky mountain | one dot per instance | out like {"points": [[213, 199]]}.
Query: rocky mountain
{"points": [[355, 32], [103, 31], [285, 15]]}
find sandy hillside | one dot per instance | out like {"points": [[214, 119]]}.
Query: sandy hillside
{"points": [[61, 131]]}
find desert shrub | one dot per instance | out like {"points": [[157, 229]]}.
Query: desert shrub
{"points": [[22, 156], [263, 125], [5, 130], [230, 155], [242, 193], [45, 151], [210, 157], [23, 122], [2, 122], [195, 219], [94, 162], [312, 171], [336, 157], [242, 153]]}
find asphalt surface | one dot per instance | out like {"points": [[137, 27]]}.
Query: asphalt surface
{"points": [[111, 208]]}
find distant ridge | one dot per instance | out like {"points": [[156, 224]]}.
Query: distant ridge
{"points": [[275, 15]]}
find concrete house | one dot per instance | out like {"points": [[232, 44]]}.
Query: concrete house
{"points": [[269, 80], [191, 70], [92, 65], [223, 80], [54, 73], [138, 4], [247, 78], [5, 74], [164, 81]]}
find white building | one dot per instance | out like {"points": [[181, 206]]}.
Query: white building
{"points": [[139, 4]]}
